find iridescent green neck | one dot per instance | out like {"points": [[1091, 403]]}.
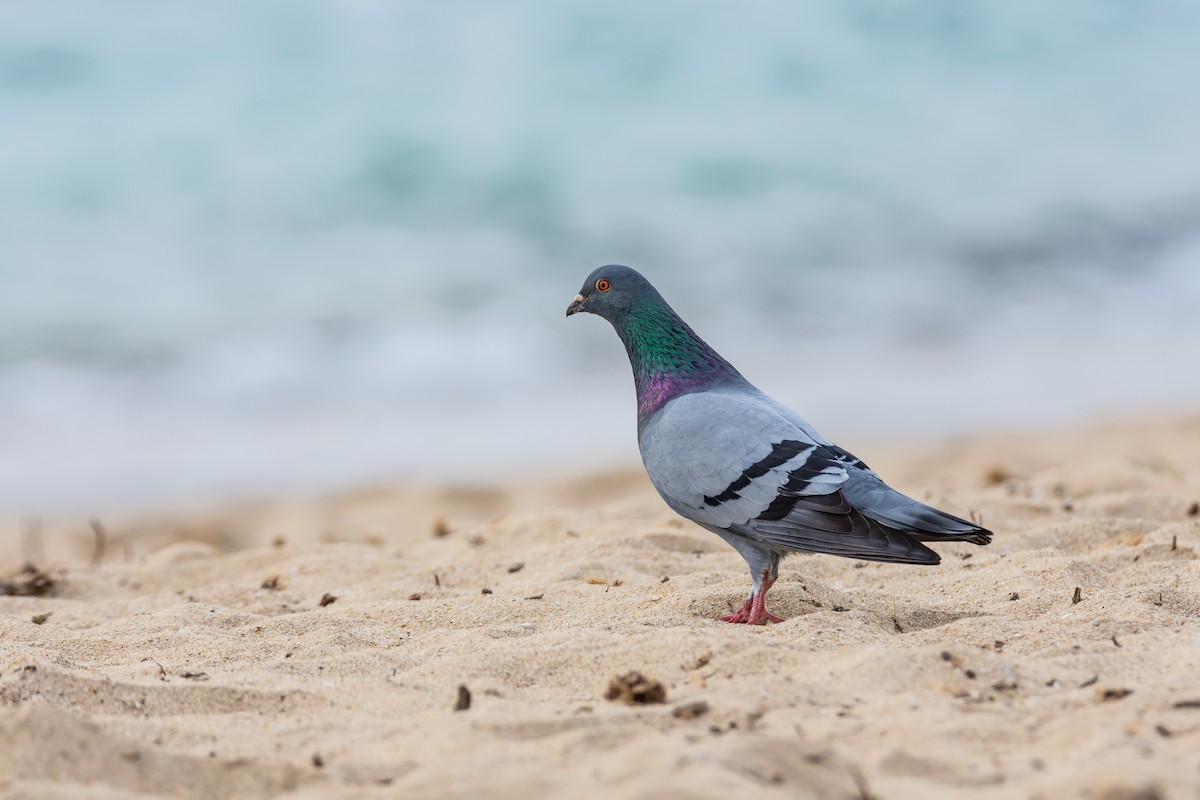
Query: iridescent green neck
{"points": [[668, 358]]}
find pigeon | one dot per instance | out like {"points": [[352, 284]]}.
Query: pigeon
{"points": [[726, 456]]}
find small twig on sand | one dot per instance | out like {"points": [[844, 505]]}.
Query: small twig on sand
{"points": [[162, 673]]}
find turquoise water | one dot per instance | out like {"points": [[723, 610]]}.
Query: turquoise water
{"points": [[299, 245]]}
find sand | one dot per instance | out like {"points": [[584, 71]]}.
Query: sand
{"points": [[315, 648]]}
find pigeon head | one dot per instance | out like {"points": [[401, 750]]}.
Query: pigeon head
{"points": [[667, 357], [612, 292]]}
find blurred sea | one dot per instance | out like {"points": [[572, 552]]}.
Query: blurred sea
{"points": [[303, 244]]}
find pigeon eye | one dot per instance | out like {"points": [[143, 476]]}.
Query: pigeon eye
{"points": [[603, 285]]}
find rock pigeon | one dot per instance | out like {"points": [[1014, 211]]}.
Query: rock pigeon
{"points": [[731, 459]]}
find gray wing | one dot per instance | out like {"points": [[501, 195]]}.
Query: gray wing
{"points": [[729, 460]]}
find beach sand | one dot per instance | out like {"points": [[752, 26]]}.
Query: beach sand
{"points": [[315, 648]]}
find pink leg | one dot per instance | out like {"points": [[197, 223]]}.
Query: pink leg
{"points": [[754, 610]]}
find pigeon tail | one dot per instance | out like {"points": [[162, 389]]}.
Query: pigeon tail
{"points": [[880, 502]]}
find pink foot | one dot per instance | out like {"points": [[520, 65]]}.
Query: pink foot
{"points": [[742, 614], [758, 607], [754, 610]]}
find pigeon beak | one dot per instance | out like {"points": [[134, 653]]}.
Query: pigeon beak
{"points": [[576, 305]]}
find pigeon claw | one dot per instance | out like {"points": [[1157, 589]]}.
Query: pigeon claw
{"points": [[741, 615]]}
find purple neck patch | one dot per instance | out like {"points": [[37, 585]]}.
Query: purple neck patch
{"points": [[656, 388], [668, 358]]}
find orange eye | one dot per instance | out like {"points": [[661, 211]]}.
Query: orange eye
{"points": [[603, 285]]}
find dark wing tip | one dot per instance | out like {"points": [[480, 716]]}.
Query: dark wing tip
{"points": [[983, 536]]}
